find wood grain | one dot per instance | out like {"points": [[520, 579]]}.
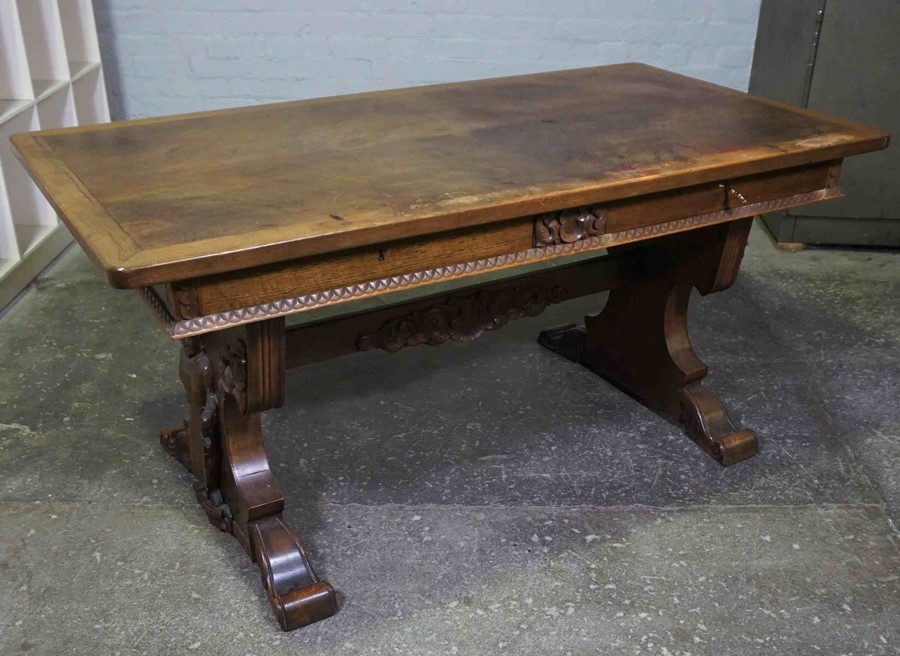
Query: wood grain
{"points": [[640, 342], [284, 280], [333, 338], [230, 377], [223, 191], [230, 220], [699, 199], [277, 281]]}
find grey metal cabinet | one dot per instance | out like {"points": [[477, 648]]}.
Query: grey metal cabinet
{"points": [[841, 57]]}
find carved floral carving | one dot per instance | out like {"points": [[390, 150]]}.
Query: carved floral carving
{"points": [[232, 373], [461, 318], [569, 226], [202, 381], [225, 452]]}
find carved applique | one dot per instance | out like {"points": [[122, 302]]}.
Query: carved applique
{"points": [[569, 226], [461, 318]]}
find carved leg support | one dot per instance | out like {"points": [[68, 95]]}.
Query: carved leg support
{"points": [[231, 377], [640, 341]]}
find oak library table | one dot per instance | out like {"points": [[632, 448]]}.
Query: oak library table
{"points": [[226, 222]]}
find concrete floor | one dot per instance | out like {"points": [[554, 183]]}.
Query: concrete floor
{"points": [[479, 499]]}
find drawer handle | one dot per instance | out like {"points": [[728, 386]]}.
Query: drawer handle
{"points": [[729, 190]]}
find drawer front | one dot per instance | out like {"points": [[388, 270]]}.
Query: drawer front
{"points": [[315, 274], [652, 214], [703, 199], [538, 237]]}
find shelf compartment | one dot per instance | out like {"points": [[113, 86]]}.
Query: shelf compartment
{"points": [[50, 76], [9, 249], [29, 236], [89, 92], [9, 108], [80, 68], [16, 274], [15, 80], [82, 49], [26, 203], [6, 264], [44, 88], [57, 110], [44, 46]]}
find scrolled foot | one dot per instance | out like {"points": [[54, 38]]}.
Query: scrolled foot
{"points": [[306, 606], [567, 341], [706, 423], [296, 594]]}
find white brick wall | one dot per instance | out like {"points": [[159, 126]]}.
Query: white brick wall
{"points": [[168, 56]]}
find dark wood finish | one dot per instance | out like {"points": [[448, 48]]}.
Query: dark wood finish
{"points": [[640, 341], [161, 200], [431, 320], [222, 292], [700, 199], [230, 377], [228, 219], [241, 288]]}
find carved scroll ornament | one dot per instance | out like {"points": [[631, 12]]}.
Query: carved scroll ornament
{"points": [[197, 375], [187, 304], [569, 226], [231, 372], [461, 318]]}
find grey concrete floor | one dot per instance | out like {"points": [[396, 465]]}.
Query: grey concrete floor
{"points": [[479, 499]]}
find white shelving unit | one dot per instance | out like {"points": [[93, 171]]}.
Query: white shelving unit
{"points": [[50, 77]]}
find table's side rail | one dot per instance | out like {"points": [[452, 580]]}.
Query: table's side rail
{"points": [[208, 304]]}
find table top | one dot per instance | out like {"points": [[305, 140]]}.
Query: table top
{"points": [[176, 197]]}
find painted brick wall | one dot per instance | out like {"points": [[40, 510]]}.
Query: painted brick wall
{"points": [[169, 56]]}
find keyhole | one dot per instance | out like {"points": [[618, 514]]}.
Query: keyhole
{"points": [[380, 254]]}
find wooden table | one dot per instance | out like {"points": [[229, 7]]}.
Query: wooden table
{"points": [[226, 222]]}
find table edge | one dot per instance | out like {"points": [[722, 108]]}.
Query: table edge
{"points": [[181, 329], [125, 265], [148, 267], [43, 166]]}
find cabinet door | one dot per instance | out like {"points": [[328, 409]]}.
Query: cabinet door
{"points": [[839, 57], [785, 49], [856, 75]]}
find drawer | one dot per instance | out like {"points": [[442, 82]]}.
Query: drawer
{"points": [[648, 215], [433, 256], [314, 274], [702, 199]]}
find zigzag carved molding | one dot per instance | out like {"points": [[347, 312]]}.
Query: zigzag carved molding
{"points": [[284, 307]]}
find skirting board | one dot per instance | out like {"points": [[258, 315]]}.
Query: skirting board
{"points": [[16, 278], [834, 231]]}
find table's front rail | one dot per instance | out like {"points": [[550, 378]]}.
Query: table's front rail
{"points": [[214, 303]]}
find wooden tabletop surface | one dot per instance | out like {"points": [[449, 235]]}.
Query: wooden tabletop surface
{"points": [[175, 197]]}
